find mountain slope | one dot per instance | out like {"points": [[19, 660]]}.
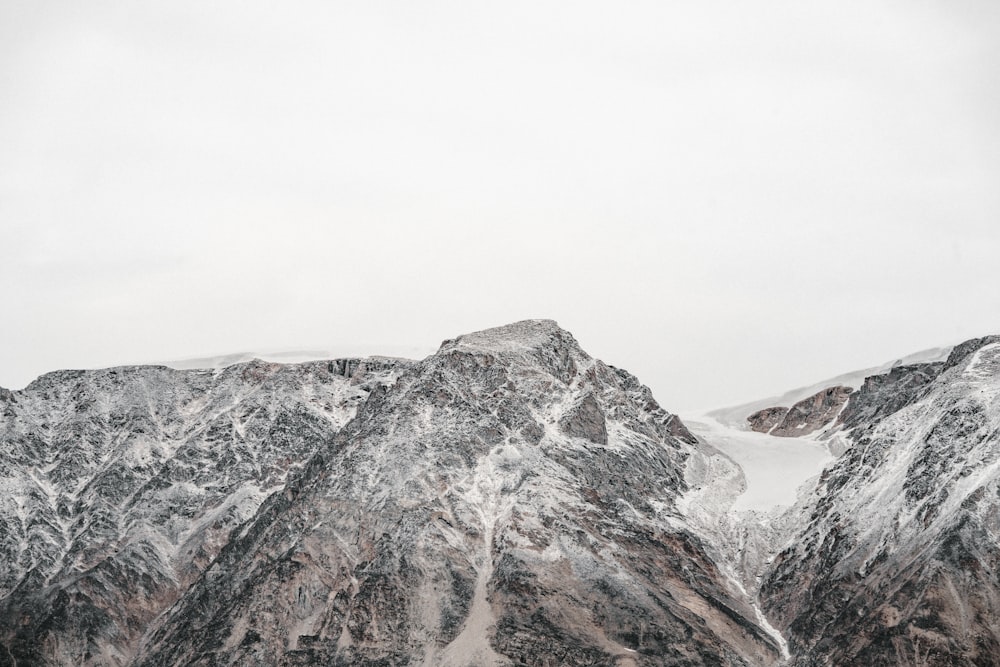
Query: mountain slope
{"points": [[119, 486], [896, 558], [510, 500], [735, 416]]}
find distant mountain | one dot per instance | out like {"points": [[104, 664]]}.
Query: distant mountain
{"points": [[509, 500], [736, 416], [297, 356]]}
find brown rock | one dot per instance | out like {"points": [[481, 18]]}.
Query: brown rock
{"points": [[811, 414], [764, 420]]}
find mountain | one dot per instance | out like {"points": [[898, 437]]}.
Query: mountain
{"points": [[896, 552], [508, 500], [120, 486], [890, 555], [735, 416]]}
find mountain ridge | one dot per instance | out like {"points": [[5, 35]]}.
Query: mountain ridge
{"points": [[513, 489], [508, 500]]}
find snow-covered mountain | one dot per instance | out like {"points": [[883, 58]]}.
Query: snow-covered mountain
{"points": [[895, 555], [509, 500], [118, 487]]}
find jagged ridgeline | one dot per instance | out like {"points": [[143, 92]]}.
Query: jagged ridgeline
{"points": [[895, 556], [507, 501], [120, 486]]}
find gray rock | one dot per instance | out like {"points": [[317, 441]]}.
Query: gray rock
{"points": [[586, 420], [883, 395], [806, 416], [122, 485]]}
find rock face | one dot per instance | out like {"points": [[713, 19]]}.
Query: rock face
{"points": [[813, 413], [882, 395], [895, 556], [509, 501], [807, 416], [120, 486], [764, 420]]}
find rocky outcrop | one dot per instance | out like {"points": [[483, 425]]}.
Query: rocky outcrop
{"points": [[764, 420], [883, 395], [806, 416], [895, 556], [813, 413], [586, 420], [509, 501]]}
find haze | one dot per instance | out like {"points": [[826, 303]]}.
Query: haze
{"points": [[728, 199]]}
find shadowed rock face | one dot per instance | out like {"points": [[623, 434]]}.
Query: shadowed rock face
{"points": [[508, 501], [586, 420], [883, 395], [121, 485], [896, 557], [805, 417]]}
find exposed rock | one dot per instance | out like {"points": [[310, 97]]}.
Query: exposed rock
{"points": [[121, 485], [764, 420], [813, 413], [963, 350], [586, 420], [507, 501], [895, 557], [883, 395], [677, 429], [806, 416]]}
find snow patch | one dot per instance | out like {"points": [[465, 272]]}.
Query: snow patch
{"points": [[774, 468]]}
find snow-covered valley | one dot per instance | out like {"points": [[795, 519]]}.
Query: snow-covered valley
{"points": [[774, 468]]}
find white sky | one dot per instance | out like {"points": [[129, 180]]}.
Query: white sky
{"points": [[728, 199]]}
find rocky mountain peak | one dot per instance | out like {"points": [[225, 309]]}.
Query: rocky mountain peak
{"points": [[525, 334], [894, 553], [539, 344], [509, 500]]}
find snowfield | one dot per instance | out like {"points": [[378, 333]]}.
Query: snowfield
{"points": [[774, 467]]}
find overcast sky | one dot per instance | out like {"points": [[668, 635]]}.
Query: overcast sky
{"points": [[729, 199]]}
